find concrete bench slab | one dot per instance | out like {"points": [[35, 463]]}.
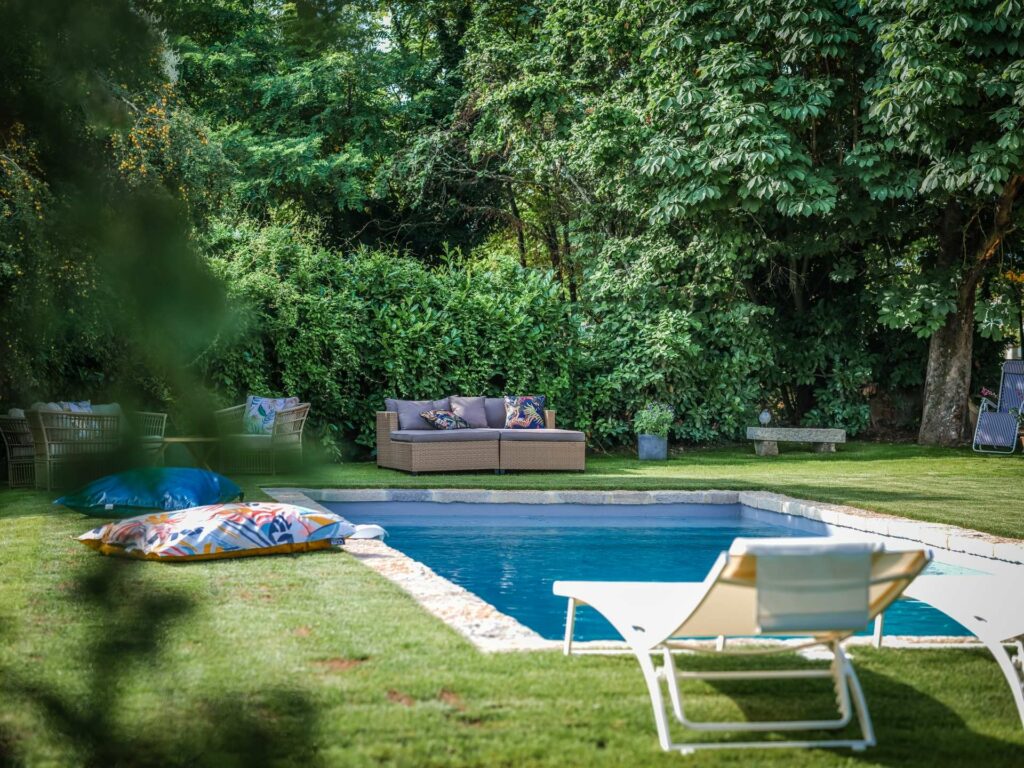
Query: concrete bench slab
{"points": [[767, 439]]}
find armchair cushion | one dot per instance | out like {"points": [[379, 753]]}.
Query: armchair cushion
{"points": [[524, 412], [260, 412], [77, 406], [409, 411]]}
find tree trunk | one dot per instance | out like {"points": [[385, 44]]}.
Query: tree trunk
{"points": [[947, 382], [518, 224], [567, 263], [554, 251]]}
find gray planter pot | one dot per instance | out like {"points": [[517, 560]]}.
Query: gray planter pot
{"points": [[652, 447]]}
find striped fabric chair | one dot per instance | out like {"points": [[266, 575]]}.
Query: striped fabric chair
{"points": [[998, 422]]}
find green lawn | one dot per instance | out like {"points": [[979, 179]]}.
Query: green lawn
{"points": [[316, 661]]}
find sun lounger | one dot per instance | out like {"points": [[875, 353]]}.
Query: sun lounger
{"points": [[767, 588], [996, 431], [992, 608]]}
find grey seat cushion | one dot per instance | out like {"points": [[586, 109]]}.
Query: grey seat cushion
{"points": [[443, 435], [471, 409], [409, 411], [543, 435], [494, 407]]}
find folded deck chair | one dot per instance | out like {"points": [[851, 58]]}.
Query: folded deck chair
{"points": [[807, 587], [996, 431]]}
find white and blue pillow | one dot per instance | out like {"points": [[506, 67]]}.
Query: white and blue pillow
{"points": [[260, 413]]}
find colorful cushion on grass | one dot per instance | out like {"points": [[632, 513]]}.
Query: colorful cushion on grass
{"points": [[444, 420], [524, 412], [222, 531], [164, 488], [260, 412]]}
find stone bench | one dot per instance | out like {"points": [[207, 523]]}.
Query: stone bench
{"points": [[767, 439]]}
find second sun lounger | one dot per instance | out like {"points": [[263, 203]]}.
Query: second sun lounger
{"points": [[769, 588]]}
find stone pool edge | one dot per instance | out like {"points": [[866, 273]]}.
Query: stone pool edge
{"points": [[490, 630]]}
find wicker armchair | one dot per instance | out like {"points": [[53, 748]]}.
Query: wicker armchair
{"points": [[62, 439], [21, 456], [149, 429], [260, 454]]}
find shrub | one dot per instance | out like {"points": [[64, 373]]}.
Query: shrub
{"points": [[346, 331]]}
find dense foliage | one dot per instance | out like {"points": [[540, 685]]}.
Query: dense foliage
{"points": [[345, 332], [805, 205]]}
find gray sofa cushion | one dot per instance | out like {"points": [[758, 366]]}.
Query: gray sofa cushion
{"points": [[494, 407], [409, 411], [443, 435], [471, 409], [543, 435]]}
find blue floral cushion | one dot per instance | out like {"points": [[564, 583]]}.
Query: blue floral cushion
{"points": [[261, 411], [444, 420], [526, 412]]}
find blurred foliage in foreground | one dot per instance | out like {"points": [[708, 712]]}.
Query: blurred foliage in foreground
{"points": [[103, 290]]}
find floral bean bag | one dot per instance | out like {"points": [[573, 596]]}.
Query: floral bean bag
{"points": [[221, 531]]}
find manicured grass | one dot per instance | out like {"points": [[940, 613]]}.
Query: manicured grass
{"points": [[316, 661], [934, 484]]}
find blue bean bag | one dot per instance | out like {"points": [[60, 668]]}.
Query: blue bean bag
{"points": [[163, 488]]}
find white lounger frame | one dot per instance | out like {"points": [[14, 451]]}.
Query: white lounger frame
{"points": [[850, 697], [844, 680]]}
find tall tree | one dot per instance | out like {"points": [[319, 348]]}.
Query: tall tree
{"points": [[944, 112]]}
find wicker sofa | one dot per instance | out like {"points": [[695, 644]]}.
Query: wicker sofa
{"points": [[479, 448]]}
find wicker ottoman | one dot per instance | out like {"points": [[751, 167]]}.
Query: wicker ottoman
{"points": [[555, 449]]}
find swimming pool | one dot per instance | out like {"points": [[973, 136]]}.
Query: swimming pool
{"points": [[509, 554]]}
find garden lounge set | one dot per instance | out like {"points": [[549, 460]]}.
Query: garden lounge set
{"points": [[489, 433]]}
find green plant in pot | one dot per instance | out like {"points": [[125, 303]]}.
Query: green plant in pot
{"points": [[652, 425]]}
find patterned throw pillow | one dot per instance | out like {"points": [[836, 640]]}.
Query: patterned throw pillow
{"points": [[444, 420], [526, 412], [260, 413]]}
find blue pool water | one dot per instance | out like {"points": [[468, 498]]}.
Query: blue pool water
{"points": [[509, 554]]}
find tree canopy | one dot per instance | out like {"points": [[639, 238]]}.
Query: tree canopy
{"points": [[723, 205]]}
